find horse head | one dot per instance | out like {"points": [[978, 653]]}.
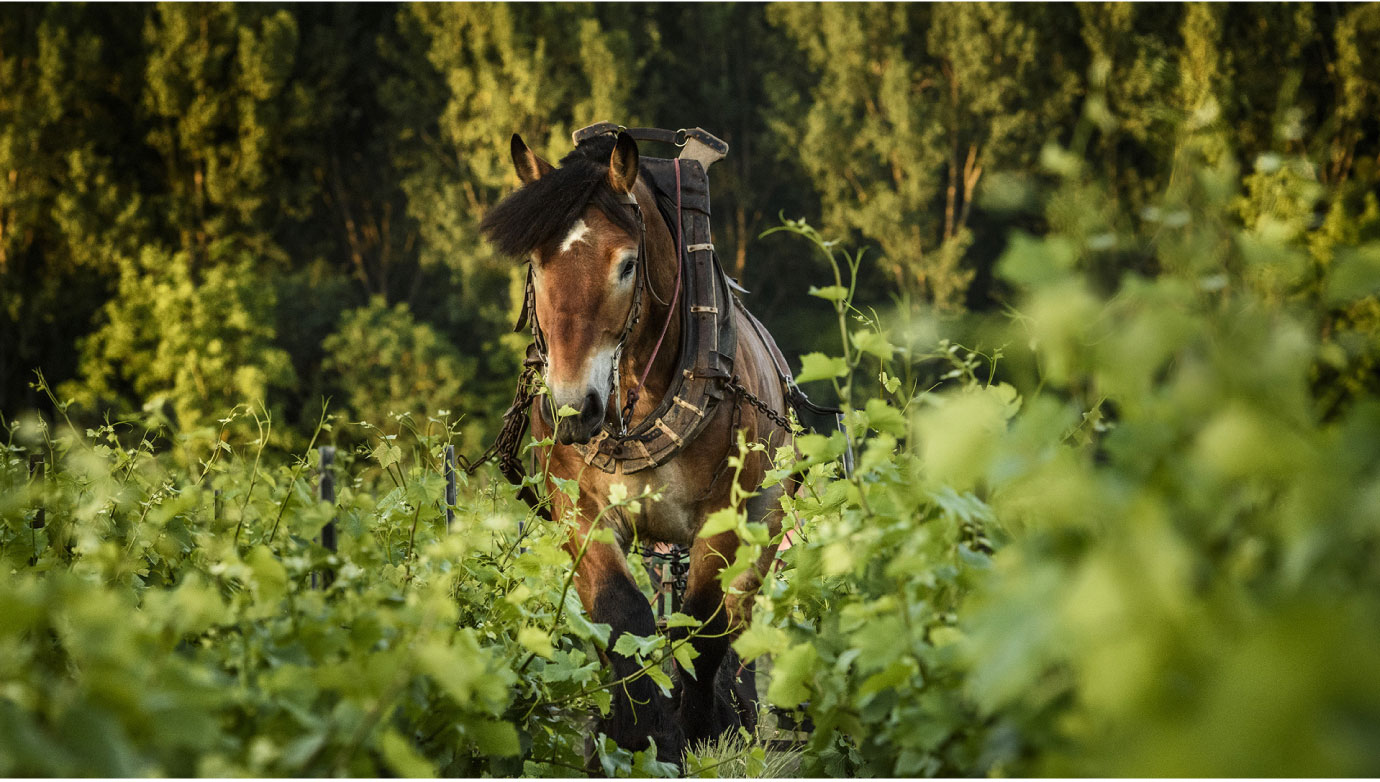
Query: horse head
{"points": [[580, 227]]}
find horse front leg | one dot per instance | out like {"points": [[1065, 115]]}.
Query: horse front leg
{"points": [[703, 715], [610, 595], [715, 700]]}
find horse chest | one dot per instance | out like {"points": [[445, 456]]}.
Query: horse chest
{"points": [[672, 519]]}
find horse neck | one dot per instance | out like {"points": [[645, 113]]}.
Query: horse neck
{"points": [[661, 281]]}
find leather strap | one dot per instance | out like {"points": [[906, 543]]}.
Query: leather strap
{"points": [[674, 137], [794, 396], [636, 391]]}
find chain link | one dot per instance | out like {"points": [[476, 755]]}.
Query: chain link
{"points": [[677, 558], [509, 441], [779, 419]]}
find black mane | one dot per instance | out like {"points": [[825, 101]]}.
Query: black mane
{"points": [[543, 211]]}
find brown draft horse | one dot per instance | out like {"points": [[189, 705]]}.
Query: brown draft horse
{"points": [[575, 226]]}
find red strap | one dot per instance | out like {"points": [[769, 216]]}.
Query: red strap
{"points": [[636, 391]]}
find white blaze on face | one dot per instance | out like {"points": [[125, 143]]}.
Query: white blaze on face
{"points": [[598, 374], [598, 369], [597, 377], [577, 233]]}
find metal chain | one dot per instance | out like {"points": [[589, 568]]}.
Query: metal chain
{"points": [[678, 558], [677, 562], [779, 419], [508, 443]]}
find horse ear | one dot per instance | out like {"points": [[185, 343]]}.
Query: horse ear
{"points": [[529, 167], [623, 164]]}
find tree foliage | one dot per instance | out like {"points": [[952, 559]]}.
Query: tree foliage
{"points": [[340, 153]]}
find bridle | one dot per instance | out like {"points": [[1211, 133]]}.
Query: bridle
{"points": [[641, 281]]}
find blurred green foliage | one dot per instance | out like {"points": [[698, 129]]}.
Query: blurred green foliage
{"points": [[159, 617], [1130, 532]]}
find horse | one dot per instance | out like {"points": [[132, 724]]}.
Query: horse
{"points": [[606, 291]]}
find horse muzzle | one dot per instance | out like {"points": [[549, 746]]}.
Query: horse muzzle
{"points": [[583, 425]]}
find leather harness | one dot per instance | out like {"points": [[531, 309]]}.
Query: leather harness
{"points": [[710, 313]]}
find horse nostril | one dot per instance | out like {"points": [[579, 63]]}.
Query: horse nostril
{"points": [[593, 407]]}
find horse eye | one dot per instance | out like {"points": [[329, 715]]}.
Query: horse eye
{"points": [[627, 269]]}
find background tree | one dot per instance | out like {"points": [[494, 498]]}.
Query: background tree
{"points": [[389, 363], [68, 208], [464, 78], [900, 128]]}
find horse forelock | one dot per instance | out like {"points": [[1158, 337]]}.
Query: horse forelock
{"points": [[538, 215]]}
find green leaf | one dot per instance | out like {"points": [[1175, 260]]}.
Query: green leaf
{"points": [[880, 453], [270, 581], [536, 641], [743, 559], [645, 764], [402, 758], [872, 343], [945, 635], [821, 448], [817, 366], [568, 486], [386, 455], [759, 639], [582, 625], [885, 418], [685, 654], [721, 520], [888, 678], [891, 384], [662, 679], [756, 533], [830, 292], [454, 671], [492, 737], [630, 645], [791, 674], [677, 619]]}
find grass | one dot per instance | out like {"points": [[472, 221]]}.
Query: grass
{"points": [[738, 755]]}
